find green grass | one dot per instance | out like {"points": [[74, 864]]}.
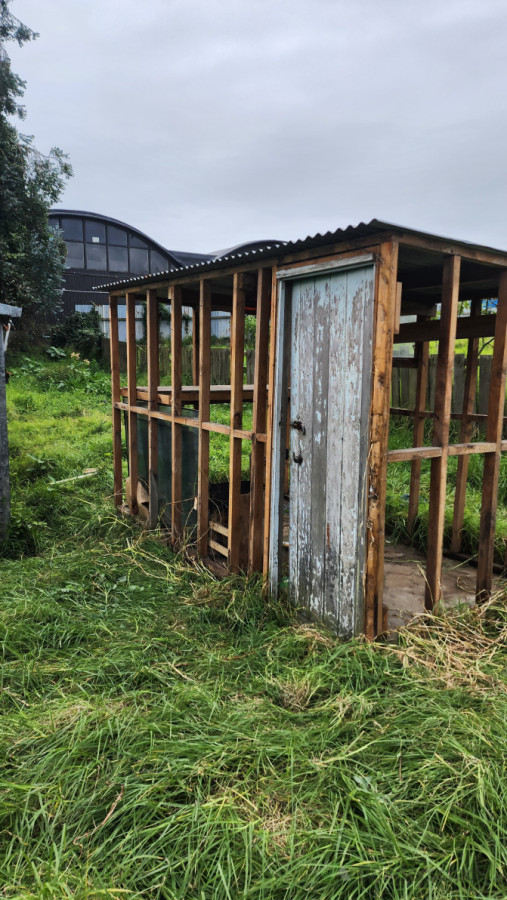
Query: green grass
{"points": [[166, 735]]}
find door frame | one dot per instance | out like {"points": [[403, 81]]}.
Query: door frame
{"points": [[285, 278]]}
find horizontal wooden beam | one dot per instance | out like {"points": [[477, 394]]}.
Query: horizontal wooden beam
{"points": [[219, 393], [469, 449], [413, 453], [467, 327]]}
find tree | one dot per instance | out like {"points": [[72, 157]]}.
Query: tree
{"points": [[32, 254]]}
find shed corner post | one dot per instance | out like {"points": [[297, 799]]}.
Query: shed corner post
{"points": [[384, 324], [494, 428], [114, 353], [273, 337]]}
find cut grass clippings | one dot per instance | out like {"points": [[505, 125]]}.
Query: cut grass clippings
{"points": [[166, 735]]}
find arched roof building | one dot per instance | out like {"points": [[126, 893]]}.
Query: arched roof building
{"points": [[101, 249]]}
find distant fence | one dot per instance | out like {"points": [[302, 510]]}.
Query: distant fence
{"points": [[405, 380], [220, 362]]}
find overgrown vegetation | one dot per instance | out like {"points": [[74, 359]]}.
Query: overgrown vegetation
{"points": [[166, 735]]}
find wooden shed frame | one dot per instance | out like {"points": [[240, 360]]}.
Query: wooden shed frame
{"points": [[413, 271]]}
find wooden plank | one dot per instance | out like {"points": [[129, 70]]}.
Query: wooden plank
{"points": [[384, 309], [494, 434], [443, 394], [422, 352], [413, 453], [176, 435], [195, 346], [468, 449], [458, 388], [397, 312], [350, 328], [219, 528], [218, 548], [204, 411], [270, 403], [484, 384], [258, 466], [153, 380], [219, 393], [279, 365], [114, 354], [468, 408], [467, 327], [235, 444], [132, 396]]}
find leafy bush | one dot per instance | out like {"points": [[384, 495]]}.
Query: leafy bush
{"points": [[80, 331]]}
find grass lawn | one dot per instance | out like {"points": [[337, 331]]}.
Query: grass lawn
{"points": [[165, 735]]}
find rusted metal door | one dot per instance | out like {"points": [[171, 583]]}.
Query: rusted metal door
{"points": [[327, 323]]}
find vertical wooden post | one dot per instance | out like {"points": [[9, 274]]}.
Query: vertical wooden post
{"points": [[465, 433], [257, 472], [175, 298], [384, 312], [195, 346], [443, 395], [204, 412], [116, 397], [493, 433], [153, 382], [237, 356], [132, 401], [422, 351], [269, 421]]}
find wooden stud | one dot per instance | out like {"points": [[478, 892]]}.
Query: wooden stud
{"points": [[116, 395], [195, 344], [441, 421], [152, 348], [176, 435], [493, 433], [132, 396], [257, 471], [237, 359], [469, 397], [204, 411], [384, 312], [422, 352], [269, 422], [397, 312]]}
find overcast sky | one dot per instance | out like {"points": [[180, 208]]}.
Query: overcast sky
{"points": [[206, 123]]}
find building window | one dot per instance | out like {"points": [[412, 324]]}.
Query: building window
{"points": [[116, 236], [72, 229], [118, 259], [75, 255], [96, 257], [136, 241], [95, 232], [139, 261], [158, 263]]}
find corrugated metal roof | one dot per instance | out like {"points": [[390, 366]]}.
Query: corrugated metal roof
{"points": [[363, 229]]}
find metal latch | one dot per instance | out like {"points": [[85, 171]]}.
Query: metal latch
{"points": [[297, 459], [298, 426]]}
